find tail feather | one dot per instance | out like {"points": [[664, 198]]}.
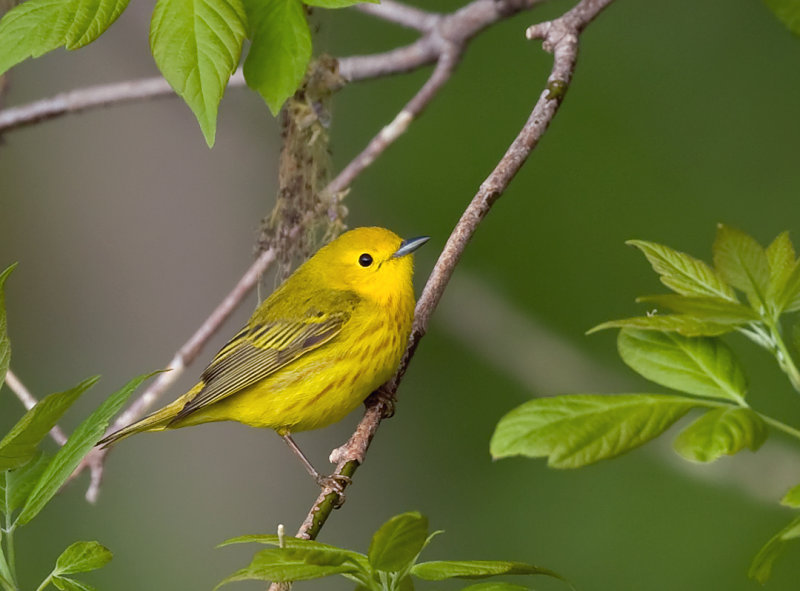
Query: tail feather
{"points": [[158, 421]]}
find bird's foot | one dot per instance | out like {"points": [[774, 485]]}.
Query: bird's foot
{"points": [[386, 399]]}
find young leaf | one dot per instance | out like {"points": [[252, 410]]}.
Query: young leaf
{"points": [[788, 300], [682, 273], [67, 584], [440, 570], [788, 12], [196, 45], [337, 3], [36, 27], [337, 555], [284, 564], [495, 586], [688, 326], [69, 456], [19, 446], [761, 567], [705, 308], [20, 482], [280, 49], [781, 258], [579, 429], [700, 366], [792, 497], [5, 345], [742, 262], [398, 542], [721, 431], [82, 557]]}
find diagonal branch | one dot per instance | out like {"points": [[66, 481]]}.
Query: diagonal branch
{"points": [[561, 38], [446, 38]]}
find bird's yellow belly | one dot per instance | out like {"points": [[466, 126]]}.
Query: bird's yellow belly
{"points": [[314, 391]]}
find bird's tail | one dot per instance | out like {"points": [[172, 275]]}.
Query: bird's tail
{"points": [[158, 421]]}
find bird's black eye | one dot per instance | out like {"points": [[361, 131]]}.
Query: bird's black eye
{"points": [[365, 260]]}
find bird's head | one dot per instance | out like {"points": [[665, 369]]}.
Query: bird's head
{"points": [[373, 262]]}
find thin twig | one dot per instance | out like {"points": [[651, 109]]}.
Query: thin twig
{"points": [[83, 99], [440, 33], [401, 14], [29, 401], [560, 37]]}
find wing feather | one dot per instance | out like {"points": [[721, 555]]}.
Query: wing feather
{"points": [[257, 352]]}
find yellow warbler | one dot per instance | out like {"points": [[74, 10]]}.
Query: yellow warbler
{"points": [[332, 333]]}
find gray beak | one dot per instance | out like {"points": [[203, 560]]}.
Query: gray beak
{"points": [[410, 245]]}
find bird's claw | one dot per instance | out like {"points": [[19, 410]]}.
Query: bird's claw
{"points": [[387, 401], [336, 483]]}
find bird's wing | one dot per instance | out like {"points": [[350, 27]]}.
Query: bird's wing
{"points": [[258, 351]]}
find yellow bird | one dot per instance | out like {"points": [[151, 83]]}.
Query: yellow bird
{"points": [[333, 332]]}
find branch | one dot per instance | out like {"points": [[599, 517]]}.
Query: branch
{"points": [[83, 99], [95, 459], [440, 32], [561, 38], [28, 401]]}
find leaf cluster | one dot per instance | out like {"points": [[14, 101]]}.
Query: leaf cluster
{"points": [[389, 565], [196, 44], [748, 290], [30, 478]]}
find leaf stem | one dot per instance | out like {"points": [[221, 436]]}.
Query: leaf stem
{"points": [[7, 570], [5, 574], [45, 583], [780, 426], [783, 356]]}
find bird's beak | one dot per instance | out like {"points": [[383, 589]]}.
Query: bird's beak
{"points": [[410, 245]]}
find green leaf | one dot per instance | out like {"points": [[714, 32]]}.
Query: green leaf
{"points": [[440, 570], [742, 262], [788, 300], [721, 431], [688, 326], [788, 12], [398, 542], [682, 273], [5, 344], [19, 446], [782, 259], [286, 564], [280, 49], [6, 584], [761, 567], [495, 586], [69, 456], [67, 584], [82, 557], [20, 482], [196, 45], [36, 27], [319, 550], [338, 3], [705, 308], [700, 366], [575, 430], [792, 497]]}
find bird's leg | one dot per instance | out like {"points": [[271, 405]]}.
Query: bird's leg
{"points": [[336, 482]]}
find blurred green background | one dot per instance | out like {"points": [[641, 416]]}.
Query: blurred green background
{"points": [[129, 231]]}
